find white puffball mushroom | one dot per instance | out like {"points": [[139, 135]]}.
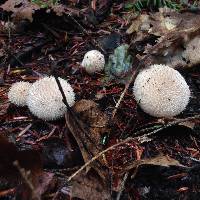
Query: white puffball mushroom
{"points": [[192, 51], [45, 99], [93, 61], [18, 93], [161, 91]]}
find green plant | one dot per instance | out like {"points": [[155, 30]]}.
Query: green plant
{"points": [[153, 4], [45, 3]]}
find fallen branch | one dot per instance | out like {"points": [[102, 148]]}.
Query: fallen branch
{"points": [[123, 93], [140, 139]]}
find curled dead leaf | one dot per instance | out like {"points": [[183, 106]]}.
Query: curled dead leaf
{"points": [[87, 123], [94, 118], [174, 30]]}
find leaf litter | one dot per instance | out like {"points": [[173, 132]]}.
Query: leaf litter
{"points": [[165, 162]]}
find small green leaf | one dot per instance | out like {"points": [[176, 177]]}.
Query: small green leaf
{"points": [[129, 6]]}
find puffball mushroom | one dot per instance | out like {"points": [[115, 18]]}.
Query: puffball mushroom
{"points": [[45, 99], [161, 91], [192, 51], [18, 93], [93, 61]]}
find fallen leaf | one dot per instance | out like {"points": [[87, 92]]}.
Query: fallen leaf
{"points": [[174, 30], [21, 9], [188, 124], [89, 187], [139, 23], [93, 117], [58, 9], [30, 163], [45, 182], [87, 124], [160, 160], [24, 9]]}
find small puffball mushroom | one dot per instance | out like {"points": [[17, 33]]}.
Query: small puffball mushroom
{"points": [[45, 99], [18, 93], [192, 51], [161, 91], [93, 61]]}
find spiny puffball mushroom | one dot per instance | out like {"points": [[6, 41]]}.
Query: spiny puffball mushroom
{"points": [[45, 100], [93, 61], [192, 51], [161, 91], [18, 93]]}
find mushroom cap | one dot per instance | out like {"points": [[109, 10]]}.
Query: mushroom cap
{"points": [[45, 100], [18, 93], [161, 91], [93, 61], [192, 51]]}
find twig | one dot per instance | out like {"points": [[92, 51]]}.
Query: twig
{"points": [[69, 109], [58, 82], [7, 192], [124, 92], [54, 33], [122, 186], [139, 138], [84, 31], [81, 28], [146, 137], [24, 130], [45, 137]]}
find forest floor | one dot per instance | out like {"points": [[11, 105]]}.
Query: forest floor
{"points": [[105, 147]]}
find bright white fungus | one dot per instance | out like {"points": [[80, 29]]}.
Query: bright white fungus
{"points": [[192, 51], [161, 91], [45, 99], [93, 61], [18, 93]]}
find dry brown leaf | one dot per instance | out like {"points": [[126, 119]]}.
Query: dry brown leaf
{"points": [[168, 49], [95, 119], [45, 182], [140, 23], [188, 124], [89, 187], [161, 160], [87, 129], [174, 29], [22, 9], [164, 22], [58, 9]]}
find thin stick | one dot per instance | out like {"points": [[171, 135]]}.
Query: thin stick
{"points": [[124, 92], [177, 121], [84, 31], [24, 130], [122, 186]]}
